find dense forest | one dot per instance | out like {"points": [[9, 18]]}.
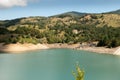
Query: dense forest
{"points": [[65, 28]]}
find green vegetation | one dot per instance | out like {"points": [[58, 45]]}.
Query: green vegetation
{"points": [[72, 27], [78, 74]]}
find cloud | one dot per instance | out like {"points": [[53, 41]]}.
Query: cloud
{"points": [[12, 3]]}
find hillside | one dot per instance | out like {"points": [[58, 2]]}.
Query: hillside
{"points": [[65, 19], [114, 12], [70, 14], [71, 27]]}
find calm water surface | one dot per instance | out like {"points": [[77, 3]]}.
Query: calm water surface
{"points": [[58, 64]]}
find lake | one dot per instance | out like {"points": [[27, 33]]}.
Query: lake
{"points": [[58, 64]]}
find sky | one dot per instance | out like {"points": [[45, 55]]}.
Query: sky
{"points": [[11, 9]]}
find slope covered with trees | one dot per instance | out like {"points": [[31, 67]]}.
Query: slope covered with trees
{"points": [[70, 28]]}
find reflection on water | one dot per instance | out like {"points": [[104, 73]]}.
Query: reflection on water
{"points": [[58, 64]]}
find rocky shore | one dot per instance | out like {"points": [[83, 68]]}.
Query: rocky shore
{"points": [[101, 50], [27, 47]]}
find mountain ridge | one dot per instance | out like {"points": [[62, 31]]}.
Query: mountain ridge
{"points": [[70, 13], [114, 12], [73, 17], [76, 13]]}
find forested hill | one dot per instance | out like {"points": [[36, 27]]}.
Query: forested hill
{"points": [[70, 14], [110, 19], [70, 27], [115, 12]]}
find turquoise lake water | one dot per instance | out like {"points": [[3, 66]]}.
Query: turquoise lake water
{"points": [[58, 64]]}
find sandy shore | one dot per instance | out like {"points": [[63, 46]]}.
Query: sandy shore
{"points": [[102, 50], [27, 47], [58, 45], [21, 47]]}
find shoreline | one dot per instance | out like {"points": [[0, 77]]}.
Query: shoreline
{"points": [[28, 47], [21, 47], [100, 50]]}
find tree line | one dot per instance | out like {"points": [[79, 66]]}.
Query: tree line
{"points": [[105, 36]]}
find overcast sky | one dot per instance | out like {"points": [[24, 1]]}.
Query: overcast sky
{"points": [[10, 9]]}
